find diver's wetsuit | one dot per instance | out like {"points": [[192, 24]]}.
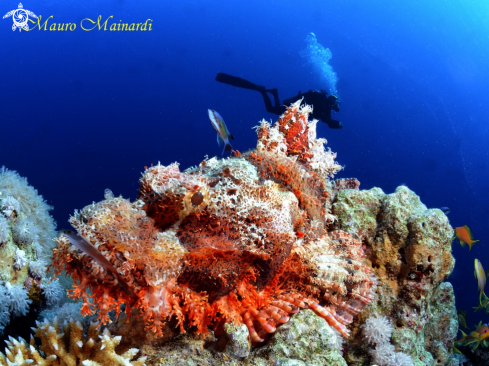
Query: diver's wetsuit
{"points": [[322, 104]]}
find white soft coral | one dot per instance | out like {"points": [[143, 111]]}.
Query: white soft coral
{"points": [[18, 299], [53, 292], [20, 259], [377, 330]]}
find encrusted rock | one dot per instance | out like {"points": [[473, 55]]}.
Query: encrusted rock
{"points": [[305, 340], [410, 250]]}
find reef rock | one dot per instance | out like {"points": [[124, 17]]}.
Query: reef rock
{"points": [[225, 253], [409, 247]]}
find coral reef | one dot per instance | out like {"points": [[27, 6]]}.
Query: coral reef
{"points": [[67, 345], [229, 251], [377, 331], [244, 240], [20, 200], [410, 250], [305, 340], [26, 238]]}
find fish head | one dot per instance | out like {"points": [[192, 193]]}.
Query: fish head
{"points": [[483, 332]]}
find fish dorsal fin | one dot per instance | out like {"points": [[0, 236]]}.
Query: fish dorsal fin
{"points": [[469, 232]]}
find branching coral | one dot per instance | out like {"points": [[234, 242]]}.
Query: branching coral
{"points": [[243, 240], [67, 345]]}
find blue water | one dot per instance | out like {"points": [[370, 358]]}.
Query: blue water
{"points": [[85, 111]]}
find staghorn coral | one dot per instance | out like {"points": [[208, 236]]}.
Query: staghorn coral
{"points": [[67, 345], [244, 240]]}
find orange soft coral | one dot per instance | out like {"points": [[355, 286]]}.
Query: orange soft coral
{"points": [[241, 240]]}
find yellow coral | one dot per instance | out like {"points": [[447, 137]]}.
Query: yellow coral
{"points": [[68, 347]]}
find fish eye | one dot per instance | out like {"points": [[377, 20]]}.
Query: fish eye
{"points": [[197, 199]]}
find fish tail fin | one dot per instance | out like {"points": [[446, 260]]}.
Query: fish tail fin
{"points": [[227, 147], [470, 245]]}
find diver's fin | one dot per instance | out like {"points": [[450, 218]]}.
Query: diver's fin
{"points": [[239, 82], [227, 147]]}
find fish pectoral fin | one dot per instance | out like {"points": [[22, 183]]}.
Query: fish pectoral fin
{"points": [[219, 140], [232, 138]]}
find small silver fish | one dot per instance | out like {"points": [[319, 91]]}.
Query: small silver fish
{"points": [[223, 134]]}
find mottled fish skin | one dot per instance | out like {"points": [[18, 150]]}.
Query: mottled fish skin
{"points": [[481, 278], [220, 127], [86, 247]]}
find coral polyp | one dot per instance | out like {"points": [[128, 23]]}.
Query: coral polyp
{"points": [[244, 240]]}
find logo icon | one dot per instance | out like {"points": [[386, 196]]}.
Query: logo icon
{"points": [[20, 17]]}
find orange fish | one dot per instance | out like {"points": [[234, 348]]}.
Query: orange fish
{"points": [[464, 234], [477, 336]]}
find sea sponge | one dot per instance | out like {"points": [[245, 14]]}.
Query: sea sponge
{"points": [[377, 330]]}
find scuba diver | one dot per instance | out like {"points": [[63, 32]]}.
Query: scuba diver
{"points": [[322, 104]]}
